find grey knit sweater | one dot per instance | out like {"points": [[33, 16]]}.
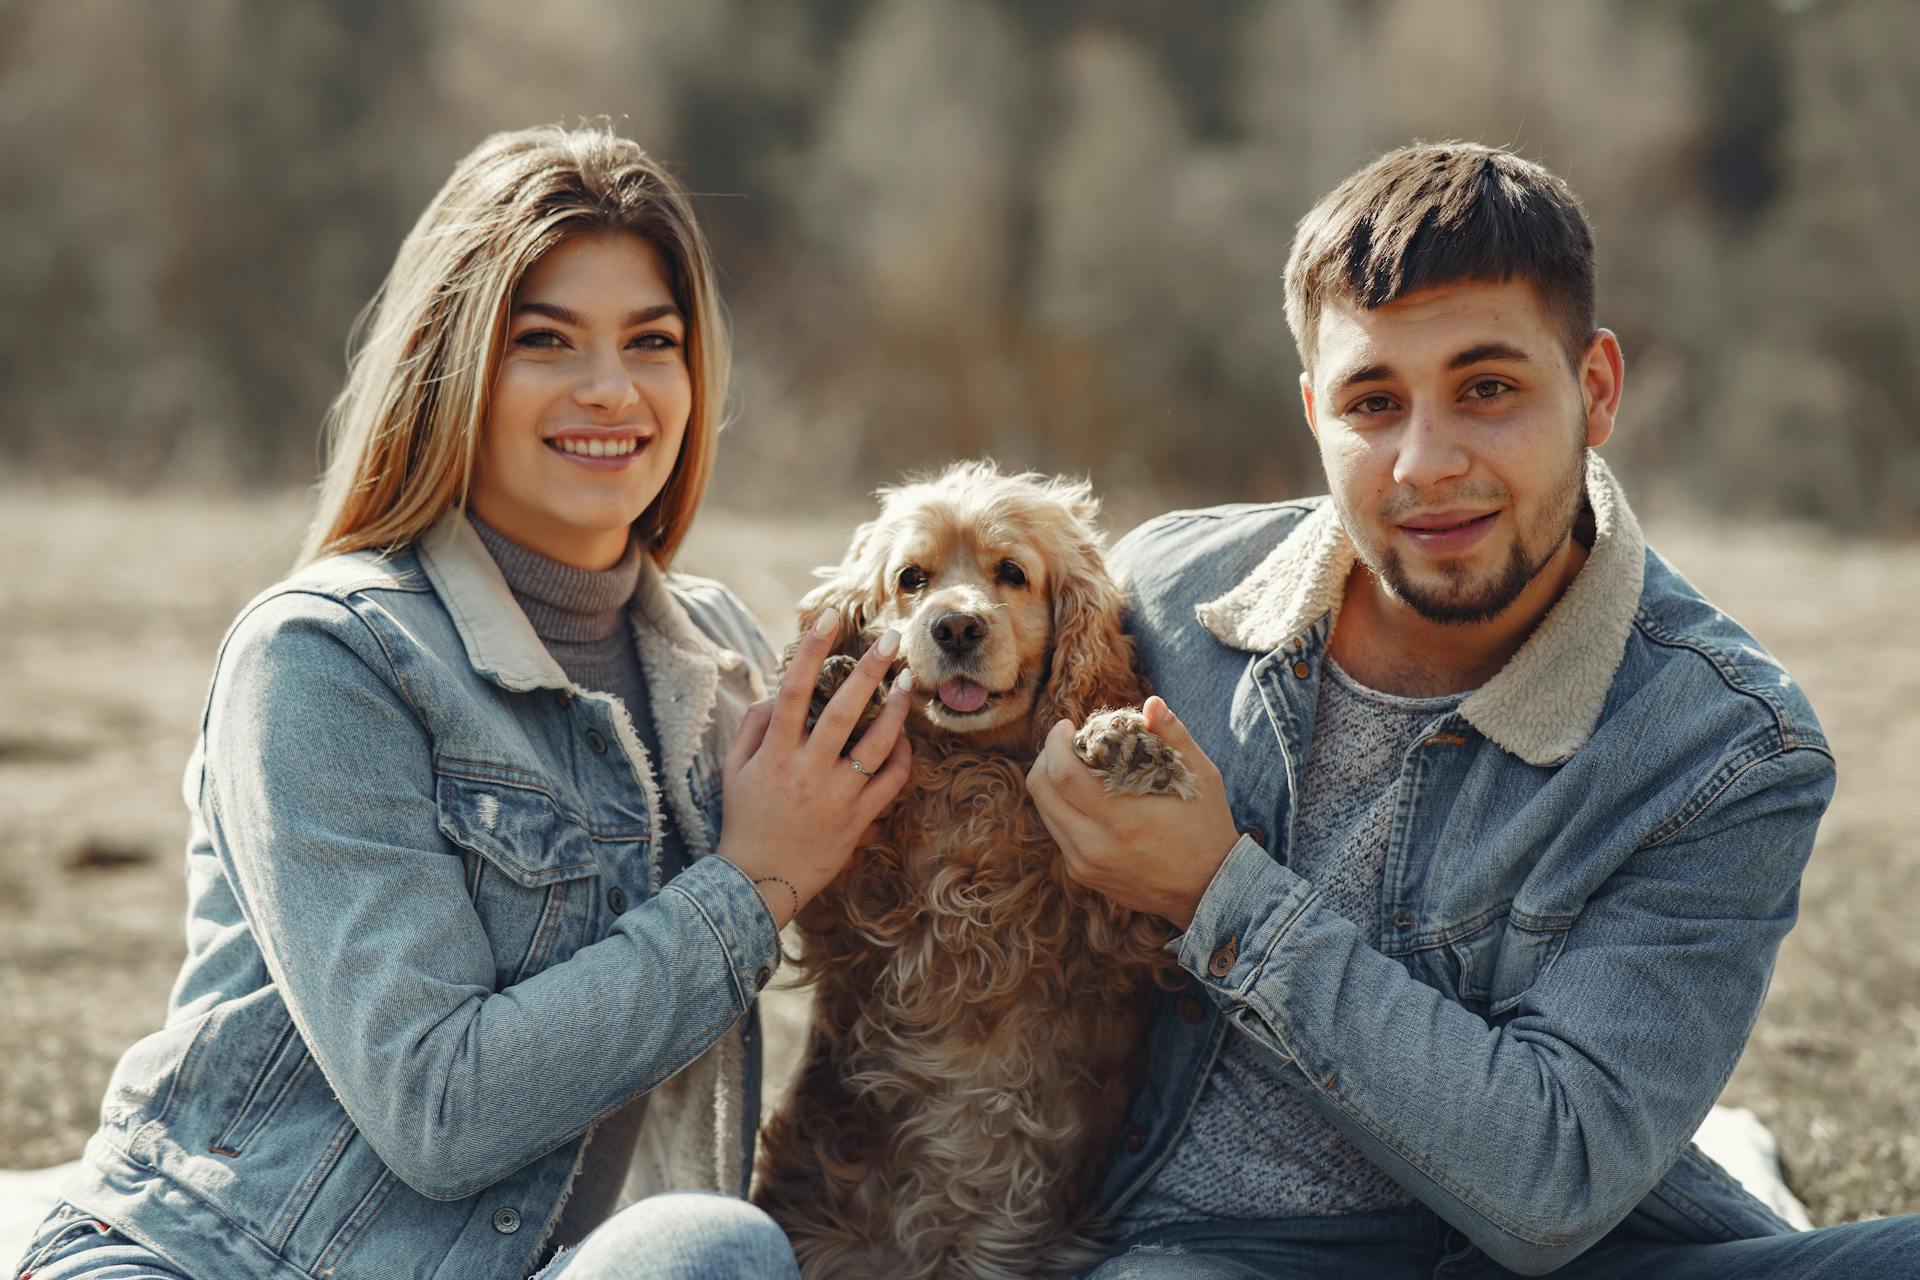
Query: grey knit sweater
{"points": [[1255, 1148], [582, 618]]}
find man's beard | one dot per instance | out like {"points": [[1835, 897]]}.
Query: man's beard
{"points": [[1462, 601]]}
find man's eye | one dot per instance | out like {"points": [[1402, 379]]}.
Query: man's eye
{"points": [[1487, 389], [1372, 404], [1012, 574], [912, 578]]}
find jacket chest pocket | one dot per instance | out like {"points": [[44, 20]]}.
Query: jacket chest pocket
{"points": [[531, 872], [1493, 968]]}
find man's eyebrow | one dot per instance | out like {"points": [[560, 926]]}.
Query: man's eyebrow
{"points": [[1489, 351], [1366, 373], [565, 315]]}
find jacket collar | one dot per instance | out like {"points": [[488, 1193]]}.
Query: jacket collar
{"points": [[501, 643], [1544, 703]]}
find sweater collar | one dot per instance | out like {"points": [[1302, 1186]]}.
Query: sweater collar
{"points": [[1541, 706], [500, 641]]}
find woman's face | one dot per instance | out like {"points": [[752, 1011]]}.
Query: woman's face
{"points": [[590, 403]]}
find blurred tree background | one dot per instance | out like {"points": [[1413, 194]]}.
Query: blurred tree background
{"points": [[1052, 231]]}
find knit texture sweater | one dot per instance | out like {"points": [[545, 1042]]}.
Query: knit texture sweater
{"points": [[1256, 1148], [582, 617]]}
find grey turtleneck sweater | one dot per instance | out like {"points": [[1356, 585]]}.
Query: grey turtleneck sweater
{"points": [[582, 618]]}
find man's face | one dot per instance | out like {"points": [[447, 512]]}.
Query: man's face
{"points": [[1453, 431]]}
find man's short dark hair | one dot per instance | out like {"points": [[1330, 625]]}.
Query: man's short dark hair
{"points": [[1441, 213]]}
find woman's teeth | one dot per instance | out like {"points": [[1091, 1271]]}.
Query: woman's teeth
{"points": [[597, 448]]}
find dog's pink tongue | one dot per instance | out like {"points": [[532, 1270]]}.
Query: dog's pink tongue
{"points": [[963, 696]]}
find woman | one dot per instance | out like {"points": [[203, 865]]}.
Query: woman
{"points": [[462, 975]]}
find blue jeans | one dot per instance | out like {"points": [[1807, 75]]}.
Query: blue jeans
{"points": [[1414, 1244], [682, 1236]]}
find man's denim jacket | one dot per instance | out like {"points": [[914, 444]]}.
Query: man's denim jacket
{"points": [[429, 943], [1592, 862]]}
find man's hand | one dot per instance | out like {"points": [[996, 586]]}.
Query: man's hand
{"points": [[1150, 853]]}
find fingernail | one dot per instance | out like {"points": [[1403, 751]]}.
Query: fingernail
{"points": [[889, 643], [826, 622], [904, 681]]}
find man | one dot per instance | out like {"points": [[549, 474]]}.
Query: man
{"points": [[1507, 823]]}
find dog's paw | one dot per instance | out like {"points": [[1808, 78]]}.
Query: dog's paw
{"points": [[834, 672], [1115, 744]]}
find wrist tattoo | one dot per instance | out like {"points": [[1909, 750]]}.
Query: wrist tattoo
{"points": [[784, 883]]}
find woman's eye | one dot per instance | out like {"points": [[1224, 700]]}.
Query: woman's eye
{"points": [[656, 343], [540, 339], [1012, 574], [912, 578]]}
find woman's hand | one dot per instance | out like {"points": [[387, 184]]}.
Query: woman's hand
{"points": [[792, 806]]}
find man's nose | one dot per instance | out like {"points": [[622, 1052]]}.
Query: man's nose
{"points": [[1431, 450]]}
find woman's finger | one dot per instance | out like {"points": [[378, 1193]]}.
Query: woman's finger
{"points": [[843, 710], [748, 737], [886, 783], [794, 697], [877, 742]]}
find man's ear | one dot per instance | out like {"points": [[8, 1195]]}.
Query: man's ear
{"points": [[1603, 376], [1306, 403]]}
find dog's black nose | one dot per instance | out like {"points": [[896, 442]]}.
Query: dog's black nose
{"points": [[958, 633]]}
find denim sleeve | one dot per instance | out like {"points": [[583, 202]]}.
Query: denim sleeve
{"points": [[318, 794], [1537, 1136]]}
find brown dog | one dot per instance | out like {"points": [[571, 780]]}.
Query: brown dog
{"points": [[977, 1012]]}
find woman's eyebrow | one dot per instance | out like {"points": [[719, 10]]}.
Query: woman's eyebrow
{"points": [[566, 315]]}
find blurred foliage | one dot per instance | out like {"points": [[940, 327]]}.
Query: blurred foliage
{"points": [[1052, 231]]}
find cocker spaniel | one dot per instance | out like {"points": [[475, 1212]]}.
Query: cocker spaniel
{"points": [[978, 1014]]}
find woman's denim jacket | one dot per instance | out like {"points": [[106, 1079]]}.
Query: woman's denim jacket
{"points": [[429, 943], [1592, 862]]}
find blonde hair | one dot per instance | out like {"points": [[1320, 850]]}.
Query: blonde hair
{"points": [[403, 432]]}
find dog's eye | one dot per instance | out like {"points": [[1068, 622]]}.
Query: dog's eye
{"points": [[1012, 574], [912, 578]]}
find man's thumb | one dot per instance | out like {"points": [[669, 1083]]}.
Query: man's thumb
{"points": [[1162, 721]]}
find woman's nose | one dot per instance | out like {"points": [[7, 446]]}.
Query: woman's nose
{"points": [[606, 385]]}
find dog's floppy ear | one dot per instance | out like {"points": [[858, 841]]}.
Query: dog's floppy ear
{"points": [[1093, 663], [852, 587]]}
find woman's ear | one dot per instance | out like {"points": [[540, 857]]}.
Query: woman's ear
{"points": [[1093, 664]]}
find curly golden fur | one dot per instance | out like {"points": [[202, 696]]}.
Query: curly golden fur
{"points": [[978, 1013]]}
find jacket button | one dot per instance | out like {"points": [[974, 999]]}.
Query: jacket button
{"points": [[506, 1221], [1189, 1009], [1221, 963], [598, 741], [617, 900], [761, 978], [1136, 1138], [1256, 835], [1401, 920], [1302, 670]]}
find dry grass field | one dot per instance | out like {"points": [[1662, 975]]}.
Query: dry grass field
{"points": [[111, 605]]}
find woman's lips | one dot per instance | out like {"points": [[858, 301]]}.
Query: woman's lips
{"points": [[602, 463], [1448, 535]]}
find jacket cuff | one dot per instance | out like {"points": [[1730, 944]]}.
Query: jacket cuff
{"points": [[1250, 904], [740, 921]]}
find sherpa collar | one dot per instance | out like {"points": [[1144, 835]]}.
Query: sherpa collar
{"points": [[501, 643], [1544, 703]]}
